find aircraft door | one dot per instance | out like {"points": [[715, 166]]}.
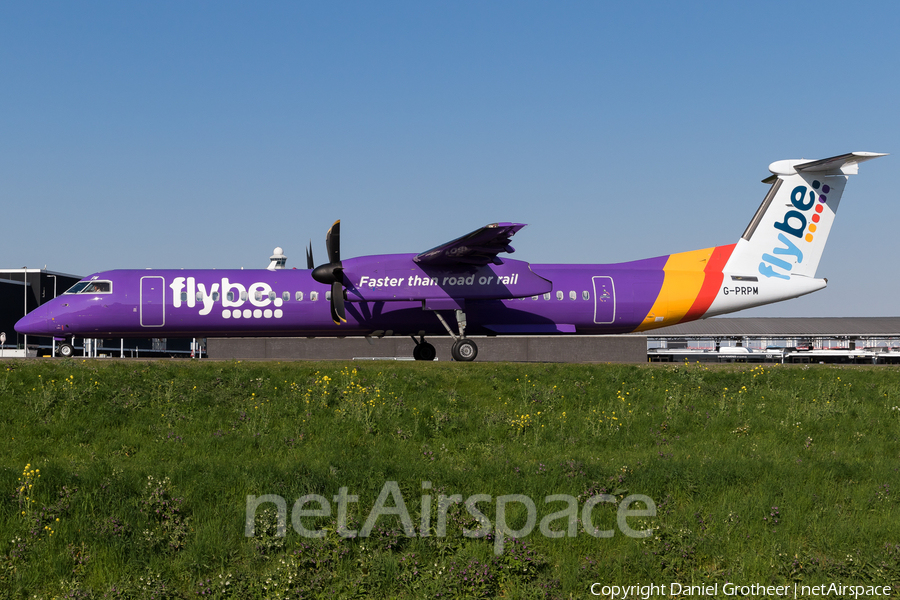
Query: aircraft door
{"points": [[153, 301], [604, 300]]}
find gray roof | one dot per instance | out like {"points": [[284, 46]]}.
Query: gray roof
{"points": [[780, 327]]}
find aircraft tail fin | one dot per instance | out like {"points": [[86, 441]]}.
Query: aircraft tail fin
{"points": [[787, 234]]}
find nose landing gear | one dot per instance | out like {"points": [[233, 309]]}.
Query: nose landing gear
{"points": [[65, 349]]}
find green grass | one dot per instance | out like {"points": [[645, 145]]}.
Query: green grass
{"points": [[764, 475]]}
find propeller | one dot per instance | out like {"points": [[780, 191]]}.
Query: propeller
{"points": [[333, 272]]}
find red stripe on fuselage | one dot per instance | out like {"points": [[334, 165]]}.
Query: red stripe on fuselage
{"points": [[712, 279]]}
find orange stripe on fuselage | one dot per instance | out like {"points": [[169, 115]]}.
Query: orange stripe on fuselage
{"points": [[691, 283]]}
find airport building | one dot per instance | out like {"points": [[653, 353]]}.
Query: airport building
{"points": [[775, 339], [21, 291]]}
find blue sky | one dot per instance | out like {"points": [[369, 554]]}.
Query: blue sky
{"points": [[201, 134]]}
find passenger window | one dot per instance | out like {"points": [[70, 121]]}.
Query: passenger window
{"points": [[534, 297], [184, 296], [271, 295], [573, 295], [547, 296], [586, 295], [559, 295], [215, 296], [258, 295], [230, 296], [244, 296], [299, 296], [328, 295], [200, 296], [313, 296], [286, 296]]}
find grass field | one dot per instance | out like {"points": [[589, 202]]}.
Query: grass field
{"points": [[131, 479]]}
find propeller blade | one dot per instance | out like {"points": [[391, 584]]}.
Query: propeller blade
{"points": [[332, 270], [309, 257], [338, 314], [333, 242]]}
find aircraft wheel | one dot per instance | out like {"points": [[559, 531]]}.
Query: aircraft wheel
{"points": [[464, 350], [424, 351], [65, 350]]}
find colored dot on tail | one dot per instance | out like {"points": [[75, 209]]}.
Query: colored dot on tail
{"points": [[815, 218], [822, 198], [826, 189], [812, 227], [819, 208], [815, 185], [809, 237]]}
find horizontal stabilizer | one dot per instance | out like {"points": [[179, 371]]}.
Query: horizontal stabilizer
{"points": [[841, 162], [846, 164]]}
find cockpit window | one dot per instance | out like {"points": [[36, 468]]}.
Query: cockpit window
{"points": [[91, 287], [78, 287]]}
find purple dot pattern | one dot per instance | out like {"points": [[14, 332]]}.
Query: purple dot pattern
{"points": [[825, 189]]}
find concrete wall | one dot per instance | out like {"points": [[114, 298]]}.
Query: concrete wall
{"points": [[602, 348]]}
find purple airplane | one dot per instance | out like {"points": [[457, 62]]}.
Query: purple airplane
{"points": [[467, 284]]}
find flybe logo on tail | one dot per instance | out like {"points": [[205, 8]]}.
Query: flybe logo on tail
{"points": [[794, 224]]}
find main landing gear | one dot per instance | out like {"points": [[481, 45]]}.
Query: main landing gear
{"points": [[463, 349], [423, 350]]}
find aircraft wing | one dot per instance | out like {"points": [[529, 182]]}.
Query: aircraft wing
{"points": [[477, 248]]}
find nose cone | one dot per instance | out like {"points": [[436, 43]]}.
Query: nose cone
{"points": [[37, 322]]}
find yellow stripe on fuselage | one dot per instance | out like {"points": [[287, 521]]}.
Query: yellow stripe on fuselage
{"points": [[681, 286]]}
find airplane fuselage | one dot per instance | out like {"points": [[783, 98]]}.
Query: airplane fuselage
{"points": [[397, 297]]}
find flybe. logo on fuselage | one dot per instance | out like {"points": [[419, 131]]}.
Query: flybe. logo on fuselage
{"points": [[795, 224], [186, 290]]}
